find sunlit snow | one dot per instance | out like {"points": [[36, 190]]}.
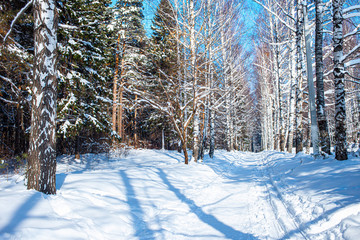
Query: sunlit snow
{"points": [[152, 194]]}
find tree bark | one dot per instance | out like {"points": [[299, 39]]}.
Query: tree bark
{"points": [[298, 92], [212, 129], [135, 124], [121, 103], [41, 172], [340, 111], [196, 133], [115, 91], [320, 97], [312, 106]]}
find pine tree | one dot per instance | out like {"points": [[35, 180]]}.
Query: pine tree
{"points": [[131, 40], [15, 76], [163, 52], [163, 41], [85, 68]]}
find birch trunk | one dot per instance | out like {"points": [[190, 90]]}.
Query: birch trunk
{"points": [[208, 77], [292, 68], [212, 133], [312, 107], [340, 111], [211, 112], [292, 103], [162, 139], [280, 120], [320, 107], [196, 122], [41, 172], [358, 109], [298, 92], [226, 90]]}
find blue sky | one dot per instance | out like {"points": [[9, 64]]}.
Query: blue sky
{"points": [[149, 11], [250, 13]]}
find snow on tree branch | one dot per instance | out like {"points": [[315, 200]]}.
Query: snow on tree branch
{"points": [[16, 18]]}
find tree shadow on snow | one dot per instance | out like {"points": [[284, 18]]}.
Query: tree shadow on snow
{"points": [[142, 231], [306, 225], [20, 215], [178, 156], [212, 221], [87, 164]]}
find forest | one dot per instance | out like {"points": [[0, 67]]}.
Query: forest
{"points": [[87, 76]]}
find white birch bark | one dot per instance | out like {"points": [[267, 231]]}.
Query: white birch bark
{"points": [[339, 72], [324, 139], [312, 108], [196, 132], [41, 172]]}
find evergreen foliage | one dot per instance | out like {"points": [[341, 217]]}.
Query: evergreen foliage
{"points": [[85, 70], [15, 78], [163, 41], [189, 78], [133, 74]]}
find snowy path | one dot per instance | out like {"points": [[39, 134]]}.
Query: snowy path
{"points": [[153, 195]]}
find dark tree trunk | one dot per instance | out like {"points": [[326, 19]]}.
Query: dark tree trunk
{"points": [[320, 107], [42, 159]]}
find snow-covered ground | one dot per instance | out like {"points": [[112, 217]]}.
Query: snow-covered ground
{"points": [[152, 195]]}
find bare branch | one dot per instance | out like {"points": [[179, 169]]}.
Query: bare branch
{"points": [[16, 18]]}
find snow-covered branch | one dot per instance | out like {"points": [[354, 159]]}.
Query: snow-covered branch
{"points": [[18, 15]]}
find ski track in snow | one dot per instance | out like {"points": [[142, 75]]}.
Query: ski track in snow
{"points": [[152, 195], [283, 211]]}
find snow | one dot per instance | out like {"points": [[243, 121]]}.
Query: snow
{"points": [[351, 8], [352, 62], [152, 194]]}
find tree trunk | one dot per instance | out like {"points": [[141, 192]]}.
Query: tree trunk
{"points": [[185, 153], [312, 106], [212, 133], [115, 91], [135, 124], [298, 94], [204, 139], [162, 139], [358, 109], [41, 173], [225, 69], [292, 68], [196, 122], [121, 102], [280, 144], [320, 107], [340, 111], [196, 134], [290, 138]]}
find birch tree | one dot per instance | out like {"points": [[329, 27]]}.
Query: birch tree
{"points": [[320, 104], [339, 73], [41, 173]]}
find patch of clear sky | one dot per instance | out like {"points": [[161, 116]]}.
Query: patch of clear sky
{"points": [[149, 12], [249, 14]]}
